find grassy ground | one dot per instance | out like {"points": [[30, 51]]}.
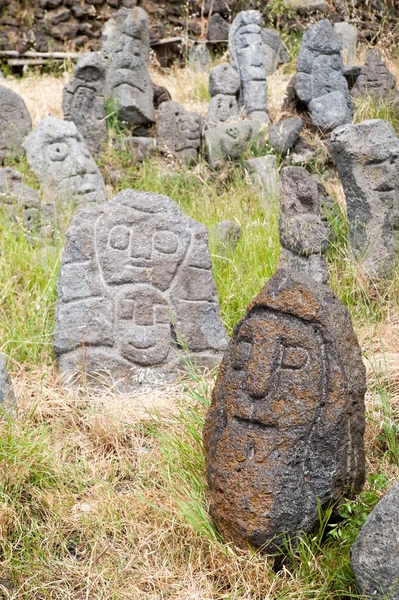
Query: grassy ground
{"points": [[103, 496]]}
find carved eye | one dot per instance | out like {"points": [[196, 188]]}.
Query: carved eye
{"points": [[58, 151], [240, 355], [294, 358], [166, 242], [119, 237]]}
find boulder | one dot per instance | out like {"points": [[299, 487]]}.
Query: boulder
{"points": [[136, 291], [374, 78], [15, 123], [303, 233], [367, 158], [348, 36], [61, 161], [247, 56], [275, 52], [283, 436], [374, 555], [230, 141], [319, 83], [283, 135], [179, 131], [224, 79], [221, 108], [83, 100], [218, 29]]}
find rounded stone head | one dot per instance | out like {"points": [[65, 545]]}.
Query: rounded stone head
{"points": [[245, 43]]}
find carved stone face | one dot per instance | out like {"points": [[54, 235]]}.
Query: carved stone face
{"points": [[189, 127], [136, 246], [143, 325], [251, 58]]}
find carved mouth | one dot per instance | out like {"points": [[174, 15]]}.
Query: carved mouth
{"points": [[255, 423]]}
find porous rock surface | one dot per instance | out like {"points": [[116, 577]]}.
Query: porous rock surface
{"points": [[248, 57], [60, 159], [221, 108], [274, 50], [367, 158], [7, 397], [284, 433], [15, 123], [303, 233], [319, 82], [224, 79], [83, 100], [283, 135], [374, 78], [375, 555], [229, 140], [135, 284], [179, 131]]}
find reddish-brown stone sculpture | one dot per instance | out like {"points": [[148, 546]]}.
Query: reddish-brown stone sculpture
{"points": [[285, 429]]}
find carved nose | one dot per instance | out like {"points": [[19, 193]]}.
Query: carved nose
{"points": [[263, 362]]}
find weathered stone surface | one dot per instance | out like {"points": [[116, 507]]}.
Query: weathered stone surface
{"points": [[7, 398], [161, 94], [284, 134], [222, 7], [229, 140], [224, 79], [248, 57], [374, 555], [60, 159], [348, 35], [320, 83], [15, 194], [179, 131], [221, 108], [264, 176], [224, 238], [15, 123], [308, 6], [127, 50], [367, 158], [136, 280], [374, 77], [83, 100], [218, 29], [303, 234], [199, 58], [275, 52], [284, 433]]}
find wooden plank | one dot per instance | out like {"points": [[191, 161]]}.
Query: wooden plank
{"points": [[32, 54]]}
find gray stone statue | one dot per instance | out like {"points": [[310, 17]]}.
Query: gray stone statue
{"points": [[15, 123], [230, 140], [367, 158], [221, 108], [248, 57], [83, 100], [179, 131], [128, 81], [60, 159], [135, 289], [303, 234]]}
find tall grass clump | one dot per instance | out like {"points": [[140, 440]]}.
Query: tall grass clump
{"points": [[376, 106]]}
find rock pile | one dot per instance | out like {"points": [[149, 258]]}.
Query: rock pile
{"points": [[284, 433]]}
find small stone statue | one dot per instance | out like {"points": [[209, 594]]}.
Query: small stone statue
{"points": [[179, 131]]}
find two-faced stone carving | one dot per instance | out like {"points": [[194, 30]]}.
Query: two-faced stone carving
{"points": [[367, 158], [15, 123], [303, 233], [229, 140], [83, 100], [248, 57], [284, 433], [179, 131], [319, 82], [136, 282], [128, 81], [60, 159]]}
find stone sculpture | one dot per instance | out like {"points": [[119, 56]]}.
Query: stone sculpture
{"points": [[264, 176], [224, 237], [284, 135], [83, 100], [60, 159], [179, 131], [15, 123], [275, 52], [7, 398], [218, 29], [375, 79], [367, 158], [374, 555], [303, 234], [284, 433], [14, 194], [127, 80], [319, 83], [248, 57], [224, 79], [135, 284], [221, 108], [230, 140]]}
